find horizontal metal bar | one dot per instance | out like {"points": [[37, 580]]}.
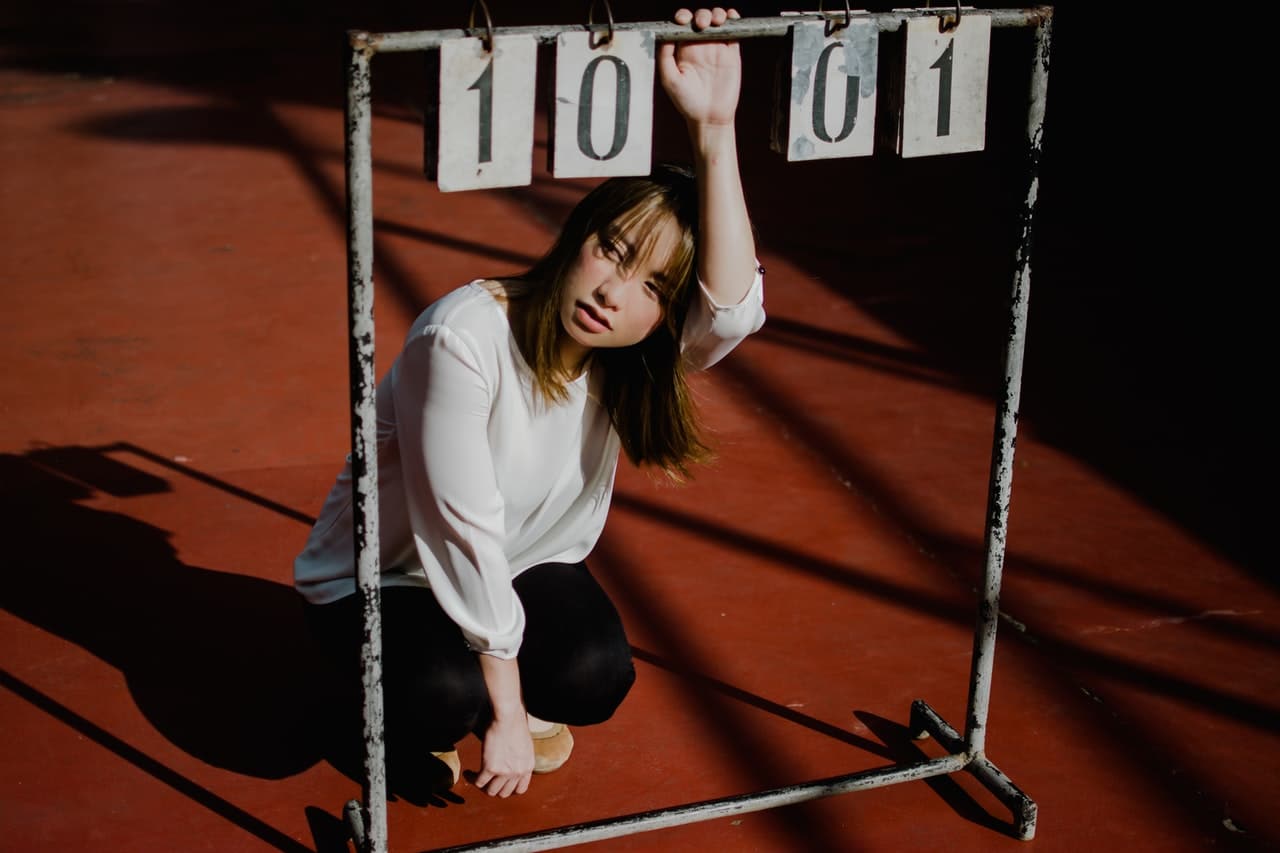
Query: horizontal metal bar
{"points": [[744, 28], [662, 818]]}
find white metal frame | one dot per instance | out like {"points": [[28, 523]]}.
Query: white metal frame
{"points": [[367, 822]]}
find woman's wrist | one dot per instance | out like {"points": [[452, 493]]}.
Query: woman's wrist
{"points": [[712, 140], [510, 712], [502, 680]]}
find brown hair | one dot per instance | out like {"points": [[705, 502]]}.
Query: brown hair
{"points": [[644, 387]]}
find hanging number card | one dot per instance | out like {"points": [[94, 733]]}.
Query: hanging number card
{"points": [[486, 113], [602, 120], [832, 98], [944, 99]]}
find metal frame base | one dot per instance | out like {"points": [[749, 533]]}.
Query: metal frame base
{"points": [[924, 723]]}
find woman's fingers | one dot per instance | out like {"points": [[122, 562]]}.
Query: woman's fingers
{"points": [[502, 785], [705, 18], [667, 66]]}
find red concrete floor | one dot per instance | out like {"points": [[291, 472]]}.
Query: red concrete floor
{"points": [[174, 408]]}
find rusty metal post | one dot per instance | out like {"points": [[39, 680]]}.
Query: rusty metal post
{"points": [[1006, 428], [368, 825], [1001, 482]]}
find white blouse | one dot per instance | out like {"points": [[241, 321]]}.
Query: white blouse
{"points": [[479, 478]]}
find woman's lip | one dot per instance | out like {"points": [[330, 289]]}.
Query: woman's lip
{"points": [[595, 321]]}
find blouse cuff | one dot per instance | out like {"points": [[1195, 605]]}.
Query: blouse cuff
{"points": [[752, 296], [502, 651]]}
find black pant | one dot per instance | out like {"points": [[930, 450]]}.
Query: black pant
{"points": [[575, 662]]}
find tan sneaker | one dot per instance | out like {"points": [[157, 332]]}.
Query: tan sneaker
{"points": [[452, 761], [551, 748]]}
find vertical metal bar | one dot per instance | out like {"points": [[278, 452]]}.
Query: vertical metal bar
{"points": [[1006, 428], [364, 451]]}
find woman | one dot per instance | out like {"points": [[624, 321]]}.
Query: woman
{"points": [[499, 429]]}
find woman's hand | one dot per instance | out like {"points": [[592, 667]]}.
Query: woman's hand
{"points": [[702, 78], [506, 763], [506, 759]]}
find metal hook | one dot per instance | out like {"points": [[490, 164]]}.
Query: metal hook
{"points": [[591, 22], [946, 23], [487, 38], [832, 26]]}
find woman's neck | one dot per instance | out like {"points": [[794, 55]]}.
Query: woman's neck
{"points": [[573, 356]]}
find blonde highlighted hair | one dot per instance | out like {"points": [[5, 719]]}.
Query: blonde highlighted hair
{"points": [[644, 387]]}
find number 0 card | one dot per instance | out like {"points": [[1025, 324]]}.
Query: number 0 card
{"points": [[831, 97], [602, 119]]}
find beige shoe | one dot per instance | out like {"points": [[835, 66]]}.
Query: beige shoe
{"points": [[551, 748], [451, 760]]}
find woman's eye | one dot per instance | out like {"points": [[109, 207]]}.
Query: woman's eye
{"points": [[654, 289]]}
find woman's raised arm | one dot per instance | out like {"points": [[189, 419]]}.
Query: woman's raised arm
{"points": [[703, 80]]}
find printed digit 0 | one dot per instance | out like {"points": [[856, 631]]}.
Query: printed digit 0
{"points": [[820, 98], [622, 108]]}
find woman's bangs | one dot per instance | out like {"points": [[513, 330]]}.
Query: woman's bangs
{"points": [[642, 226]]}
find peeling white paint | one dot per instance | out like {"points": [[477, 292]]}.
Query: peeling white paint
{"points": [[1021, 627], [1168, 620]]}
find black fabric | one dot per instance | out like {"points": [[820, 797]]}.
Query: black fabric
{"points": [[575, 662]]}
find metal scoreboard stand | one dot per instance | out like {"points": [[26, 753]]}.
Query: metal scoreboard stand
{"points": [[367, 821]]}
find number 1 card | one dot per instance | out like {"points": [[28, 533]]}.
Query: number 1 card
{"points": [[944, 99], [486, 114]]}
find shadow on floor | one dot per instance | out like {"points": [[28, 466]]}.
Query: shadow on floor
{"points": [[219, 663]]}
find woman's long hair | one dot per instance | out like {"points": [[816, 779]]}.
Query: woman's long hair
{"points": [[644, 387]]}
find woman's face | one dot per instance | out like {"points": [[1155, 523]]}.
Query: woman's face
{"points": [[612, 298]]}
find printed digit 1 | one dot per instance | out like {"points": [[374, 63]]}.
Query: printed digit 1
{"points": [[484, 85], [622, 109], [943, 65], [820, 99]]}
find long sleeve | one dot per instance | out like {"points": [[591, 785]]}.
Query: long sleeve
{"points": [[455, 507], [478, 479], [712, 330]]}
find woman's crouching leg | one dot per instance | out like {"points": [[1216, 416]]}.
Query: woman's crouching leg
{"points": [[575, 661], [433, 690]]}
